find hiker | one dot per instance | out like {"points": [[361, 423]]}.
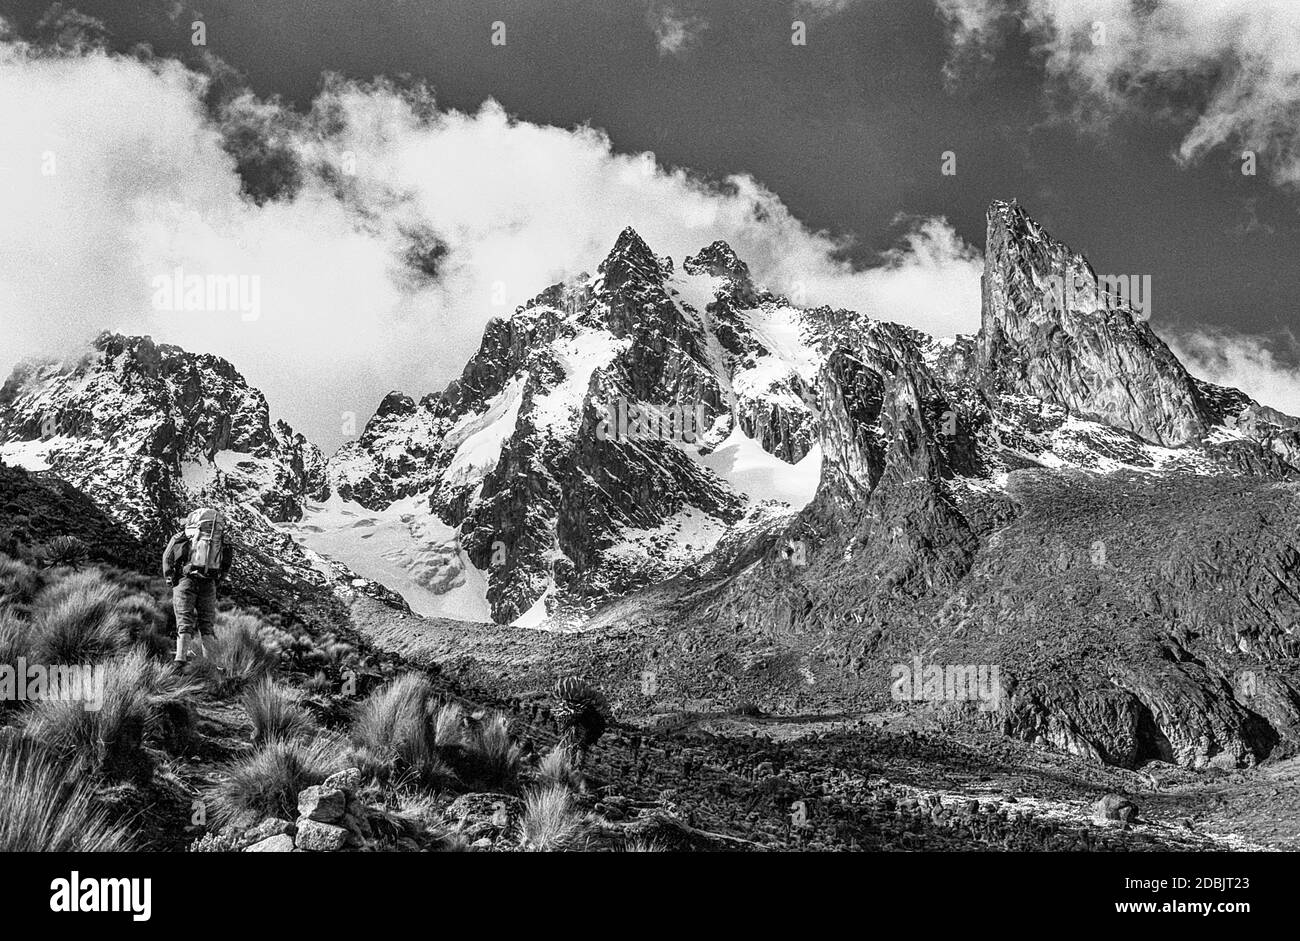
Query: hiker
{"points": [[194, 562], [583, 716]]}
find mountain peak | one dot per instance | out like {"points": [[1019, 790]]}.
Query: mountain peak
{"points": [[719, 260], [632, 258], [1052, 329]]}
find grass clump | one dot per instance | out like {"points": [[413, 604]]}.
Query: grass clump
{"points": [[551, 821], [492, 758], [19, 582], [556, 769], [237, 655], [277, 712], [78, 619], [45, 808], [394, 735], [266, 782], [145, 704]]}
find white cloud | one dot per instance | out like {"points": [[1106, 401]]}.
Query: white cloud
{"points": [[1242, 362], [143, 185], [1239, 58], [675, 32]]}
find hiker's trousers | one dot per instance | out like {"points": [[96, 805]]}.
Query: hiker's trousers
{"points": [[195, 601]]}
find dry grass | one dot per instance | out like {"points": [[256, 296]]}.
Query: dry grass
{"points": [[145, 703], [266, 783], [394, 734], [78, 619], [237, 656], [19, 582], [556, 770], [551, 822], [276, 711], [450, 726], [491, 755], [45, 808]]}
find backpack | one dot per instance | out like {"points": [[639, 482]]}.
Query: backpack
{"points": [[205, 530]]}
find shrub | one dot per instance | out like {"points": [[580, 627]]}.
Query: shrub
{"points": [[266, 783], [144, 704], [551, 823], [277, 712], [44, 808], [78, 620], [66, 551]]}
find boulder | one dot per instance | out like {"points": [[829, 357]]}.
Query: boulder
{"points": [[1115, 807], [280, 843], [268, 828], [347, 780], [322, 804], [484, 815], [318, 837]]}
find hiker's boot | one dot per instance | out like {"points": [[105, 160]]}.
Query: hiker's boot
{"points": [[181, 656]]}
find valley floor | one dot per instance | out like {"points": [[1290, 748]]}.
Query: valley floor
{"points": [[858, 780]]}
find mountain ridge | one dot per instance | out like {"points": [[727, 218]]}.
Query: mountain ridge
{"points": [[843, 497]]}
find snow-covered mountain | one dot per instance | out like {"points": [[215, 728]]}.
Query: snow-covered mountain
{"points": [[149, 431], [608, 434], [646, 422], [557, 497]]}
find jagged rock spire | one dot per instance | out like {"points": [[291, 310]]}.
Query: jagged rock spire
{"points": [[1049, 330]]}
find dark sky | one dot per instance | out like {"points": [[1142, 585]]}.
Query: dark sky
{"points": [[847, 130]]}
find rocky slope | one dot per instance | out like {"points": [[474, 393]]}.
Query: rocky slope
{"points": [[149, 431]]}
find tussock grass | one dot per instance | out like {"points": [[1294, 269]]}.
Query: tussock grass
{"points": [[146, 624], [551, 822], [492, 756], [145, 704], [319, 683], [78, 619], [639, 844], [19, 582], [277, 711], [237, 656], [45, 808], [266, 783], [394, 735], [556, 770], [15, 640], [450, 725]]}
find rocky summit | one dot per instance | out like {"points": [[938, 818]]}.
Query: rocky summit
{"points": [[724, 506]]}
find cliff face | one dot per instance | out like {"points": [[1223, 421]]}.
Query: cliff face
{"points": [[1050, 330]]}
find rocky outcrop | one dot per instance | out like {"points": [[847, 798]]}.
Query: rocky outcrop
{"points": [[332, 818], [1049, 330]]}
